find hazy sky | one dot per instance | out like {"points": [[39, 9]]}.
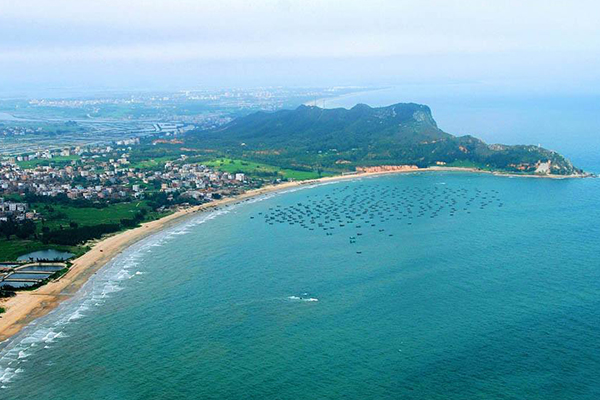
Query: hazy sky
{"points": [[525, 45]]}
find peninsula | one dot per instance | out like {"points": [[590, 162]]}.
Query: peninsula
{"points": [[318, 139]]}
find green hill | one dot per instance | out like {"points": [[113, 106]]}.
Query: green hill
{"points": [[341, 139]]}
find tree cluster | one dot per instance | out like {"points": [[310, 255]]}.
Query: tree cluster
{"points": [[22, 230]]}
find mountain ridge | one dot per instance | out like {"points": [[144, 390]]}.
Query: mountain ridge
{"points": [[345, 139]]}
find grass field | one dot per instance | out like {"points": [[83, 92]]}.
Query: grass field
{"points": [[63, 215], [153, 162], [112, 214], [252, 168], [62, 160]]}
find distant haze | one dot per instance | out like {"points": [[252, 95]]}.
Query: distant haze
{"points": [[517, 46]]}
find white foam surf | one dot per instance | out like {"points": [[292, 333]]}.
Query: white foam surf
{"points": [[43, 333]]}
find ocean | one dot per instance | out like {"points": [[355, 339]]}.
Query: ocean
{"points": [[423, 286]]}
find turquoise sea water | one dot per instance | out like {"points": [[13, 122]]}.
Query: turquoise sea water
{"points": [[488, 288]]}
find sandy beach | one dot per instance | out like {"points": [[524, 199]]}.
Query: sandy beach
{"points": [[27, 306]]}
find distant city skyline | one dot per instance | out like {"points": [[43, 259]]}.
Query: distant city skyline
{"points": [[535, 46]]}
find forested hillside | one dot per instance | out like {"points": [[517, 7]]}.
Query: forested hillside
{"points": [[341, 139]]}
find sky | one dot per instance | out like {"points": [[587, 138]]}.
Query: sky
{"points": [[541, 46]]}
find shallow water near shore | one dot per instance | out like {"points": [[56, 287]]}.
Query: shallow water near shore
{"points": [[487, 288]]}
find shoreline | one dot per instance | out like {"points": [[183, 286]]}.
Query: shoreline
{"points": [[30, 305]]}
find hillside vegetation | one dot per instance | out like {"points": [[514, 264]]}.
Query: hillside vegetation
{"points": [[312, 138]]}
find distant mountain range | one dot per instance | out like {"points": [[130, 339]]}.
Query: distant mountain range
{"points": [[341, 139]]}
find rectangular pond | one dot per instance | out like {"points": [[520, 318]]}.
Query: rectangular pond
{"points": [[16, 284], [49, 268], [39, 276]]}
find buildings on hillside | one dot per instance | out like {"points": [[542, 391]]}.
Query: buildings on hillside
{"points": [[106, 173]]}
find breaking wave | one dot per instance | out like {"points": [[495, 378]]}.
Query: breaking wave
{"points": [[42, 333]]}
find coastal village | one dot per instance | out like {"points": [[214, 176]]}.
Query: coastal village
{"points": [[18, 211], [93, 176]]}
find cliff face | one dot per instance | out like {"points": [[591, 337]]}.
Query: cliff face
{"points": [[400, 134]]}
